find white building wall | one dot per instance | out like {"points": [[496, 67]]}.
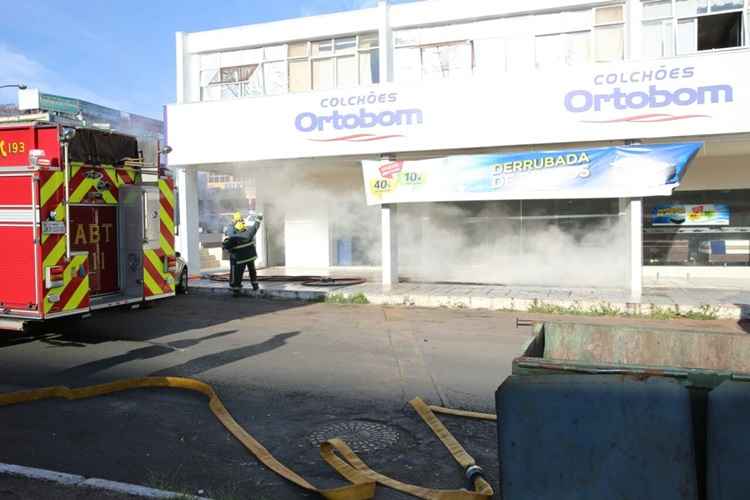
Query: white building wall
{"points": [[308, 237]]}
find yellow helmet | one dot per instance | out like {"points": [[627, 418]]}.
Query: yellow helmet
{"points": [[236, 217]]}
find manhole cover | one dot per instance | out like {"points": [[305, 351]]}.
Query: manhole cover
{"points": [[361, 436]]}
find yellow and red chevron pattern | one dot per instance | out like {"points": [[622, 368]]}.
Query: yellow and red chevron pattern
{"points": [[157, 279], [73, 294], [99, 184], [51, 201]]}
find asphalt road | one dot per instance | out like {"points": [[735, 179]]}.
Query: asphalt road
{"points": [[285, 370]]}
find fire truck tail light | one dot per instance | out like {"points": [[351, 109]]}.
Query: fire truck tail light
{"points": [[37, 158], [170, 264], [55, 276]]}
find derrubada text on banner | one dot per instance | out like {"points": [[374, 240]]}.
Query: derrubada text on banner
{"points": [[611, 172]]}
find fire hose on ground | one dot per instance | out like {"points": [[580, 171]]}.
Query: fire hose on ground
{"points": [[334, 451], [303, 280]]}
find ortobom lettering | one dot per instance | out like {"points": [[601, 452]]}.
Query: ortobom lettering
{"points": [[309, 121], [580, 101]]}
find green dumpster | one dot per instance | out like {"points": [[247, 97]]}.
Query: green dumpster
{"points": [[596, 411]]}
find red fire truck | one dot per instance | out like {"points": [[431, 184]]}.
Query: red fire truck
{"points": [[80, 229]]}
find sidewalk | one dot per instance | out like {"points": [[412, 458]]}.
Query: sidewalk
{"points": [[18, 488], [40, 484], [660, 299]]}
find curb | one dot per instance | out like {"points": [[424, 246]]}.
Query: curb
{"points": [[75, 481], [722, 311], [307, 295]]}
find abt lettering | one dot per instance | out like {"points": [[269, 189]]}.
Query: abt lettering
{"points": [[91, 234]]}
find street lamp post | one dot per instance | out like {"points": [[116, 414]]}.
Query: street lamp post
{"points": [[19, 86]]}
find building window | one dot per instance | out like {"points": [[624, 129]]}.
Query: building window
{"points": [[446, 60], [232, 74], [518, 43], [609, 34], [563, 49], [432, 54], [657, 29], [295, 67], [590, 35], [219, 178], [703, 228], [687, 26]]}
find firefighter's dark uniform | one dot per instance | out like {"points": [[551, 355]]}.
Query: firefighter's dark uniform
{"points": [[240, 242]]}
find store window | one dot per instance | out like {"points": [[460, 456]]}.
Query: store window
{"points": [[295, 67], [687, 26], [569, 243], [701, 228]]}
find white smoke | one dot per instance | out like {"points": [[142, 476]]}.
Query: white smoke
{"points": [[478, 242], [447, 243]]}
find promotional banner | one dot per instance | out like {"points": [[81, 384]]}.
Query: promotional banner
{"points": [[707, 214], [613, 172]]}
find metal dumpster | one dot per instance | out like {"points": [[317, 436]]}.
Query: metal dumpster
{"points": [[597, 411]]}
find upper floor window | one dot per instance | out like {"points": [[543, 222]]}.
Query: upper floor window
{"points": [[294, 67], [673, 27], [431, 54], [518, 43], [581, 36]]}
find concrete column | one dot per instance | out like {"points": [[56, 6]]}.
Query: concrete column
{"points": [[180, 67], [635, 241], [388, 224], [385, 42], [188, 240], [389, 244], [260, 238]]}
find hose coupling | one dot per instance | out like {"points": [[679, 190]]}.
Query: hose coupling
{"points": [[473, 471]]}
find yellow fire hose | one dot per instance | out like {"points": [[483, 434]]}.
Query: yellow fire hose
{"points": [[334, 451]]}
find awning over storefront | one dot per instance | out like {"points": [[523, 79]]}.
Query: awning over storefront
{"points": [[611, 172]]}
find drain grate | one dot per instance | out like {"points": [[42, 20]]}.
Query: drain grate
{"points": [[361, 436]]}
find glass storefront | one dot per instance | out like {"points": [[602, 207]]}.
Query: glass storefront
{"points": [[697, 228], [568, 243]]}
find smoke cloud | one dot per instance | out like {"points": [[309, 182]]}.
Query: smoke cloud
{"points": [[564, 243], [494, 244]]}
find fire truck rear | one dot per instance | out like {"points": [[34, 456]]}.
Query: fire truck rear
{"points": [[80, 230]]}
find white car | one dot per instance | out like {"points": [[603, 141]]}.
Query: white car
{"points": [[181, 275]]}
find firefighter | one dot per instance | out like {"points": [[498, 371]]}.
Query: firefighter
{"points": [[239, 240]]}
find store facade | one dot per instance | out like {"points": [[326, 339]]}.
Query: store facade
{"points": [[299, 105]]}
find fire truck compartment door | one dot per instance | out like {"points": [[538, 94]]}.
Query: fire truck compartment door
{"points": [[132, 238], [152, 222]]}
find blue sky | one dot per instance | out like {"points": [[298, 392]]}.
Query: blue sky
{"points": [[120, 53]]}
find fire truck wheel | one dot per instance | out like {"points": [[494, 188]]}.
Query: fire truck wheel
{"points": [[182, 284]]}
